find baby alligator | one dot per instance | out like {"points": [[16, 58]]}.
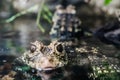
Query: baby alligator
{"points": [[66, 26], [56, 55]]}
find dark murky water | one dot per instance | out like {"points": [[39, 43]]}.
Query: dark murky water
{"points": [[14, 47], [14, 41]]}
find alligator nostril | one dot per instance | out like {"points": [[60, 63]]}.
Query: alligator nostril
{"points": [[46, 61], [51, 60]]}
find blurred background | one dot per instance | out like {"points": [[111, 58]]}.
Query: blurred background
{"points": [[25, 21]]}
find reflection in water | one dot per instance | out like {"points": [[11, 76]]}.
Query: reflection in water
{"points": [[16, 37], [9, 39], [28, 31], [69, 73]]}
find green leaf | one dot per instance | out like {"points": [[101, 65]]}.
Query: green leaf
{"points": [[12, 18], [106, 2], [41, 27], [46, 9], [47, 18]]}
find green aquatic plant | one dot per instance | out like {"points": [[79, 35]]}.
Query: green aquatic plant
{"points": [[43, 12], [12, 18], [106, 2]]}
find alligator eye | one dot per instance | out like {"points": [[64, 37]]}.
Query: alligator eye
{"points": [[32, 48], [59, 48]]}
